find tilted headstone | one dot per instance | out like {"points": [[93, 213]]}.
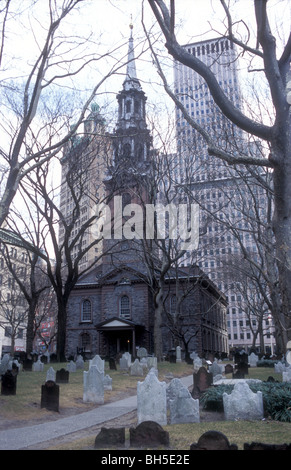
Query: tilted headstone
{"points": [[51, 374], [202, 380], [183, 408], [8, 383], [93, 386], [62, 376], [152, 400], [242, 403], [136, 369], [50, 396]]}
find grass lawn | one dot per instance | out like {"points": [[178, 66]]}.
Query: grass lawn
{"points": [[25, 406]]}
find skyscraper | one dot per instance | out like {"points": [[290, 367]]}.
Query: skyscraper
{"points": [[226, 194]]}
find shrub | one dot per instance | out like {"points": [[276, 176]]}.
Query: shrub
{"points": [[265, 363]]}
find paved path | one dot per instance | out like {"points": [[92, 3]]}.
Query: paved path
{"points": [[21, 438]]}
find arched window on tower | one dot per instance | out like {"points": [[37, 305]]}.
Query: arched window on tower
{"points": [[86, 311], [125, 307]]}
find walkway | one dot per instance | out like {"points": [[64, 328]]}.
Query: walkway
{"points": [[21, 438]]}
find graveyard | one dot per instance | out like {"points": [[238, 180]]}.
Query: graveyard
{"points": [[46, 392]]}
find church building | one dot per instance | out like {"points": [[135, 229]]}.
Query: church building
{"points": [[112, 307]]}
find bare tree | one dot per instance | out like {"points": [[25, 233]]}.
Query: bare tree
{"points": [[32, 131], [277, 135]]}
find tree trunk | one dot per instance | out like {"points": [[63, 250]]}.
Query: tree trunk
{"points": [[30, 325], [61, 330]]}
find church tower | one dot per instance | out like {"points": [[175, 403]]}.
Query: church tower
{"points": [[128, 181]]}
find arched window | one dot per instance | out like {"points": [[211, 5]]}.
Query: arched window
{"points": [[125, 307], [86, 313]]}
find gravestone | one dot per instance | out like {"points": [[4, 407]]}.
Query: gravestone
{"points": [[98, 362], [241, 365], [152, 361], [152, 399], [125, 361], [262, 446], [286, 375], [228, 369], [79, 362], [242, 403], [202, 380], [112, 364], [253, 359], [148, 434], [62, 376], [27, 364], [50, 395], [178, 354], [141, 352], [216, 369], [71, 367], [38, 366], [213, 440], [110, 438], [93, 387], [107, 382], [183, 408], [4, 364], [51, 374], [136, 369], [8, 383], [197, 363]]}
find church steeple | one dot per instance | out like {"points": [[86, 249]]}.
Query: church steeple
{"points": [[134, 141]]}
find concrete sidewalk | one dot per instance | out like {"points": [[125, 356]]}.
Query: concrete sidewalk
{"points": [[21, 438]]}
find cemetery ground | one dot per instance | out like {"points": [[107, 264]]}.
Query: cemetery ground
{"points": [[24, 409]]}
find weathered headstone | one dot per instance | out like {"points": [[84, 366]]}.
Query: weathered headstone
{"points": [[4, 364], [197, 363], [213, 440], [8, 383], [113, 437], [242, 403], [152, 400], [183, 408], [216, 369], [136, 369], [125, 361], [27, 364], [286, 375], [152, 361], [228, 369], [93, 387], [50, 395], [148, 434], [62, 376]]}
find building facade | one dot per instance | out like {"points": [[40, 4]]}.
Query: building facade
{"points": [[112, 308]]}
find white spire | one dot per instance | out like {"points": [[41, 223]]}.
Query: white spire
{"points": [[131, 80]]}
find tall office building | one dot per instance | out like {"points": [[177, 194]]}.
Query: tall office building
{"points": [[226, 194]]}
